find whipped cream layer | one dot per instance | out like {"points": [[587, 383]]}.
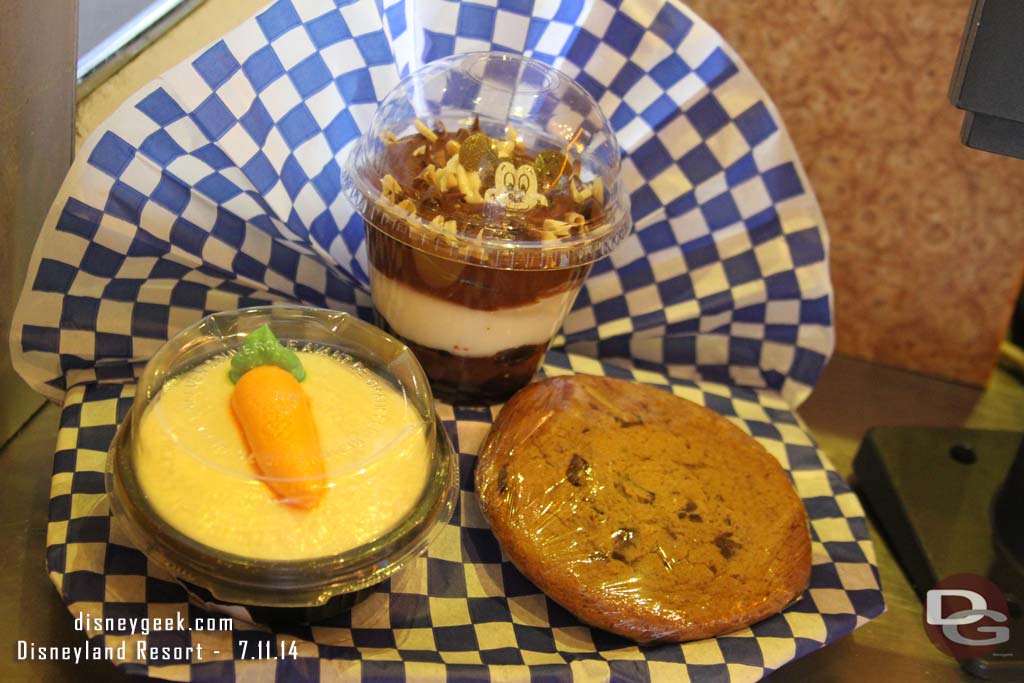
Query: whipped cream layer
{"points": [[195, 469], [461, 330]]}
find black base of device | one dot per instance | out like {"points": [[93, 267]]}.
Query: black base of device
{"points": [[931, 491]]}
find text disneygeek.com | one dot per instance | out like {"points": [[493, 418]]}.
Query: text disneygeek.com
{"points": [[141, 651]]}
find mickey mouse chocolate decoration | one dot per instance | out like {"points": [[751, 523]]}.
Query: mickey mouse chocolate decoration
{"points": [[515, 188]]}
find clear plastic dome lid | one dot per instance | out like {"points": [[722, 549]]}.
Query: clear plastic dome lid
{"points": [[213, 522], [492, 158]]}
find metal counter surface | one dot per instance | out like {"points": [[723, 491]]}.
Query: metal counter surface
{"points": [[851, 397]]}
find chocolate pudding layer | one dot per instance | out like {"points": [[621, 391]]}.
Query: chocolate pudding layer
{"points": [[475, 286]]}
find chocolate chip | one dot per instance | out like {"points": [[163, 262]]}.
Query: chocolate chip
{"points": [[624, 536], [503, 479], [726, 545], [634, 491], [691, 506], [626, 424], [622, 543], [687, 515], [578, 471]]}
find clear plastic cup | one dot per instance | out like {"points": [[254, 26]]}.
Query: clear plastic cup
{"points": [[489, 184], [206, 515]]}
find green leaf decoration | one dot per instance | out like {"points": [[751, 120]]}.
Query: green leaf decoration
{"points": [[261, 347]]}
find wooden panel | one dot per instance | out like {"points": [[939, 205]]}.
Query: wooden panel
{"points": [[37, 109], [927, 236]]}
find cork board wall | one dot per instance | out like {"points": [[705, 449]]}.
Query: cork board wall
{"points": [[927, 236]]}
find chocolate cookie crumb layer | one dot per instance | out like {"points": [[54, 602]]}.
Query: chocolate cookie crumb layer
{"points": [[462, 379]]}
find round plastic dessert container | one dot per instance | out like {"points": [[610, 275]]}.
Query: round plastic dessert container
{"points": [[190, 485], [489, 185]]}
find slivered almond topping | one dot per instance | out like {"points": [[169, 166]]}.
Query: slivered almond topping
{"points": [[556, 225], [451, 175], [441, 179], [580, 195], [514, 137], [428, 173], [449, 228], [557, 228], [504, 148], [457, 175], [469, 185], [424, 131], [389, 187]]}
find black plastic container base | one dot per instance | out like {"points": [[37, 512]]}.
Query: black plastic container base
{"points": [[932, 492], [262, 614]]}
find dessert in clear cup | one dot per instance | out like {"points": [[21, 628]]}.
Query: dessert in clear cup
{"points": [[489, 185], [283, 476]]}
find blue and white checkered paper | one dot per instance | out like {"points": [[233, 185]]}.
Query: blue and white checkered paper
{"points": [[218, 186]]}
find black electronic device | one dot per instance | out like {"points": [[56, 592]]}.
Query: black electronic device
{"points": [[948, 501], [988, 82], [951, 501]]}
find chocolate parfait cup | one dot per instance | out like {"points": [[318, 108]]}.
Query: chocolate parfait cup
{"points": [[489, 185]]}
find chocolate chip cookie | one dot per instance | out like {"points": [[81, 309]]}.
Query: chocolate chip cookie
{"points": [[640, 512]]}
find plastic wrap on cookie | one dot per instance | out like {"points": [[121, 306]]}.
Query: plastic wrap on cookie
{"points": [[640, 512]]}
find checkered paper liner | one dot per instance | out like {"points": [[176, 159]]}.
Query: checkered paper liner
{"points": [[462, 611], [220, 183], [218, 186]]}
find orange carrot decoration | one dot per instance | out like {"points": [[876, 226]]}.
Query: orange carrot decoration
{"points": [[274, 414]]}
